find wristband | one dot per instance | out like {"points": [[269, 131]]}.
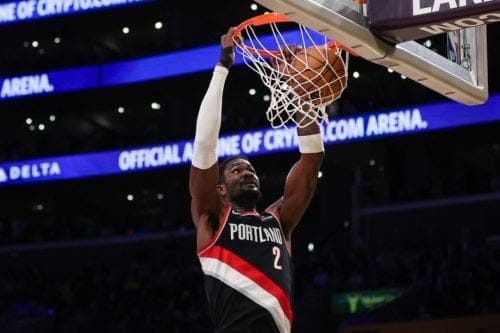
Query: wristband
{"points": [[310, 144], [225, 56]]}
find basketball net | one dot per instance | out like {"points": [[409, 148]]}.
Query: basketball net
{"points": [[292, 101]]}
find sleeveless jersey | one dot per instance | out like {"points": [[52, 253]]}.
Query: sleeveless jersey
{"points": [[248, 274]]}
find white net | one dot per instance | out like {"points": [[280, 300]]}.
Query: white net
{"points": [[302, 69]]}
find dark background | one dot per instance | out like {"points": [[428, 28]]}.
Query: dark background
{"points": [[77, 256]]}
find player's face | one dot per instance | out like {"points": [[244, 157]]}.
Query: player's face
{"points": [[242, 185]]}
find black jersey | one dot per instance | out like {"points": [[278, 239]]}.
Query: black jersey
{"points": [[248, 274]]}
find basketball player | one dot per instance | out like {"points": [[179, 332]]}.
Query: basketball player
{"points": [[244, 254]]}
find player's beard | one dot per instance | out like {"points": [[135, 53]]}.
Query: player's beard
{"points": [[247, 198]]}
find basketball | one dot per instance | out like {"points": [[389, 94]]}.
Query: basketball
{"points": [[317, 75]]}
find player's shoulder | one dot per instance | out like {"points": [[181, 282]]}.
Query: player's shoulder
{"points": [[275, 206], [272, 212]]}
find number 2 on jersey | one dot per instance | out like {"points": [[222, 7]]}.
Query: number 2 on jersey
{"points": [[277, 255]]}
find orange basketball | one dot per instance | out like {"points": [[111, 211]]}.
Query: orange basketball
{"points": [[318, 75]]}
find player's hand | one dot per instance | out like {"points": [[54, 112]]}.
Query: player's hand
{"points": [[289, 52], [282, 61], [226, 58]]}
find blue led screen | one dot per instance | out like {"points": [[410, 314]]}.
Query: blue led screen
{"points": [[25, 10], [411, 120]]}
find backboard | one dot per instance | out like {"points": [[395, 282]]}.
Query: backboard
{"points": [[345, 21]]}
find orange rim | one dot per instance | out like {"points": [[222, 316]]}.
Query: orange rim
{"points": [[273, 17], [261, 20], [257, 21]]}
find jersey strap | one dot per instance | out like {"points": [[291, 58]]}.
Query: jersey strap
{"points": [[243, 277]]}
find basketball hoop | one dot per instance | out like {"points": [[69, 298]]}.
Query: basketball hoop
{"points": [[304, 70]]}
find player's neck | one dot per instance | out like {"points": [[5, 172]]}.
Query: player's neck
{"points": [[243, 208]]}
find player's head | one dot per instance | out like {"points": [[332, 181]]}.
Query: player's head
{"points": [[238, 182]]}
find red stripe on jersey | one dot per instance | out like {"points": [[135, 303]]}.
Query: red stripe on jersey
{"points": [[254, 274]]}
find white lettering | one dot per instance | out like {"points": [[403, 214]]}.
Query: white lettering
{"points": [[250, 142], [42, 8], [372, 128], [233, 228], [171, 155], [383, 121], [267, 234], [277, 235], [404, 121], [26, 85], [278, 139], [257, 140], [149, 157], [344, 129], [187, 155], [8, 12], [27, 171], [22, 10], [395, 122], [54, 169], [277, 255], [241, 232], [437, 4], [139, 157], [67, 4], [35, 172], [25, 9], [123, 161], [249, 233], [256, 234], [58, 5], [229, 146], [261, 237], [290, 137], [3, 176], [418, 10], [86, 4], [417, 121], [268, 142], [14, 172]]}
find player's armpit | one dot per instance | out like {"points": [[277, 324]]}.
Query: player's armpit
{"points": [[299, 189], [205, 202]]}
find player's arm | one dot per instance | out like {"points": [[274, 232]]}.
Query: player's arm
{"points": [[203, 176], [302, 179]]}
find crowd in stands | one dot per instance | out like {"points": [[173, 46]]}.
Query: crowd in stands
{"points": [[148, 289], [426, 178], [83, 226], [159, 286]]}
